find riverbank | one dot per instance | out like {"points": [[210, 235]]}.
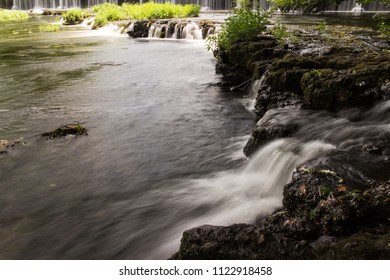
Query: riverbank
{"points": [[336, 206]]}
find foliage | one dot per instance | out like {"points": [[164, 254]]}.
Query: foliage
{"points": [[49, 28], [8, 15], [321, 26], [75, 16], [280, 31], [383, 27], [386, 2], [306, 6], [243, 25], [108, 12]]}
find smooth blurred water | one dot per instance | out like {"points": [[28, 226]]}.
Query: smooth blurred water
{"points": [[156, 119]]}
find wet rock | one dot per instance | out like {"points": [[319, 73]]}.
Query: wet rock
{"points": [[271, 126], [238, 241], [378, 197], [139, 28], [65, 130], [358, 246], [321, 199]]}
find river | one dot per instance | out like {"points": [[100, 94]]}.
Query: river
{"points": [[156, 119], [163, 152]]}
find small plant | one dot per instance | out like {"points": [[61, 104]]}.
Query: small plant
{"points": [[280, 31], [321, 26], [49, 28], [384, 29]]}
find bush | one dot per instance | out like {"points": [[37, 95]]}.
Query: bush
{"points": [[75, 16], [108, 12], [7, 15], [243, 25], [306, 6]]}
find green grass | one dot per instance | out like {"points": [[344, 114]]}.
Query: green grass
{"points": [[75, 16], [8, 15], [107, 12], [49, 28]]}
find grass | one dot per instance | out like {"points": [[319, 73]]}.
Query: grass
{"points": [[107, 12], [75, 16], [49, 28], [8, 15]]}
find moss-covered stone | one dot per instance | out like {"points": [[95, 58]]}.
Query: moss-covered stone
{"points": [[64, 130]]}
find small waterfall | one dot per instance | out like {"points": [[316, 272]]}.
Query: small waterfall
{"points": [[240, 196], [250, 101], [179, 30]]}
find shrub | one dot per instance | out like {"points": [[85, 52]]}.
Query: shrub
{"points": [[7, 15], [108, 12], [75, 16], [243, 25]]}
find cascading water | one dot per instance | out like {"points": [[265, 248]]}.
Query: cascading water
{"points": [[173, 29]]}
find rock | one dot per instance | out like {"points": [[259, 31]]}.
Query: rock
{"points": [[64, 130], [238, 241], [358, 246], [378, 198], [271, 126], [139, 28]]}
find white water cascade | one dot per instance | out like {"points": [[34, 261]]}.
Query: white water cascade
{"points": [[243, 195], [173, 29]]}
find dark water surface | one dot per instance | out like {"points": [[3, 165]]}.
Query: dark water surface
{"points": [[155, 117]]}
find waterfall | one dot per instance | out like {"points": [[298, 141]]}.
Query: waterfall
{"points": [[244, 195], [174, 29]]}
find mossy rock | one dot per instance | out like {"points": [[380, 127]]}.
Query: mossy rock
{"points": [[64, 130]]}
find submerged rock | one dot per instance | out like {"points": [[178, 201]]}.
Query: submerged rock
{"points": [[6, 145], [64, 130]]}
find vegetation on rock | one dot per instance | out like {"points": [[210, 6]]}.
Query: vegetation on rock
{"points": [[64, 130], [75, 16], [243, 26]]}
